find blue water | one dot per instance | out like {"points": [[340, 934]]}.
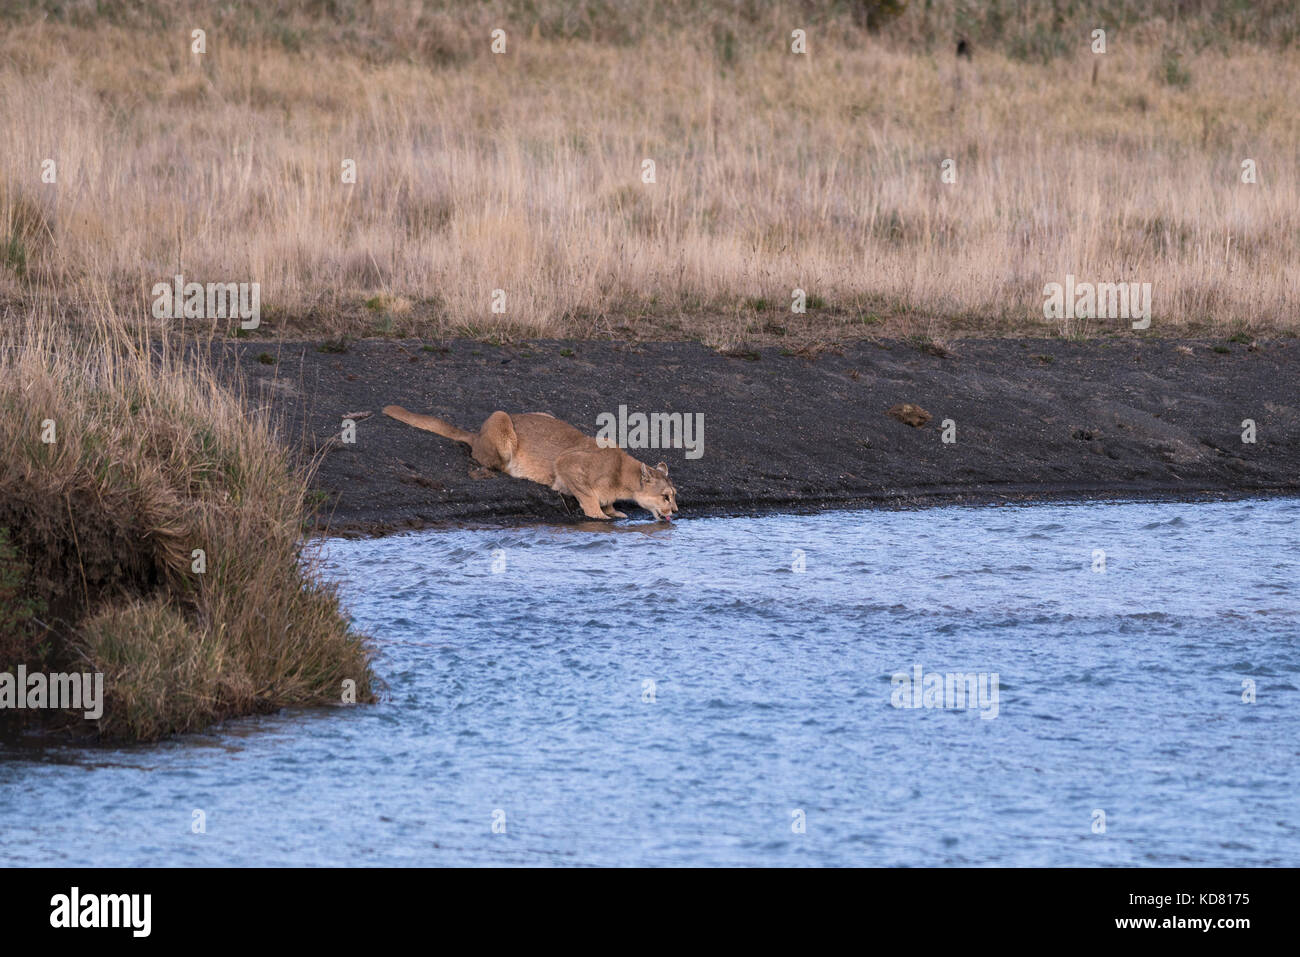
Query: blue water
{"points": [[524, 691]]}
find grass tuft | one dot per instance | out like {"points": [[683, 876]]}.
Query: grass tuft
{"points": [[158, 538]]}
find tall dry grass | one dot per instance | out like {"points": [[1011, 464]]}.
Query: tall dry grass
{"points": [[522, 171], [152, 461]]}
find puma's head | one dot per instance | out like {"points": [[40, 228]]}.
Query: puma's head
{"points": [[656, 493]]}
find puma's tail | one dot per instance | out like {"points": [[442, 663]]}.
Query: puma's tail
{"points": [[429, 423]]}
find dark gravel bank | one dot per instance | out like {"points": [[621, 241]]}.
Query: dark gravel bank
{"points": [[1033, 419]]}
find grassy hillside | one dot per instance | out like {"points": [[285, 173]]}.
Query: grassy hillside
{"points": [[522, 171]]}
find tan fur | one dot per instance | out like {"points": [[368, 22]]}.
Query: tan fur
{"points": [[539, 447]]}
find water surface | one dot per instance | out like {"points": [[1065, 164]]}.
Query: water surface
{"points": [[519, 662]]}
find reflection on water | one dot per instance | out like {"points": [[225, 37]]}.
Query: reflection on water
{"points": [[655, 694]]}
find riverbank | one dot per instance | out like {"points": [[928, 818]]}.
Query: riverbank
{"points": [[1029, 418]]}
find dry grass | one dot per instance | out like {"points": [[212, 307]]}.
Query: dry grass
{"points": [[521, 171], [153, 459]]}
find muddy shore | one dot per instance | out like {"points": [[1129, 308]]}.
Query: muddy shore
{"points": [[1033, 419]]}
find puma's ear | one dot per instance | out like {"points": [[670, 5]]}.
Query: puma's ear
{"points": [[662, 467], [645, 474]]}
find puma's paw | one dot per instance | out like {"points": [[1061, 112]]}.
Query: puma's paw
{"points": [[617, 514], [481, 473]]}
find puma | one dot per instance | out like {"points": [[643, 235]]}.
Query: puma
{"points": [[539, 447]]}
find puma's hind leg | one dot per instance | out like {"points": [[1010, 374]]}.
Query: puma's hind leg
{"points": [[495, 444]]}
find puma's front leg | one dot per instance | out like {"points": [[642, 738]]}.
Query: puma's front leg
{"points": [[611, 512], [571, 475], [591, 507]]}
